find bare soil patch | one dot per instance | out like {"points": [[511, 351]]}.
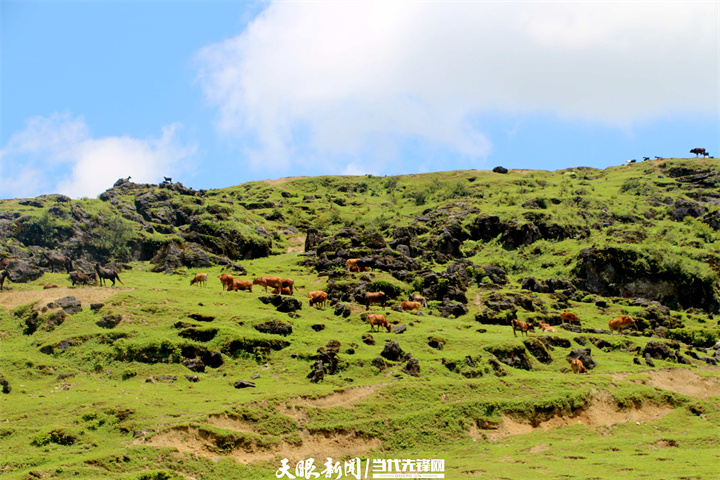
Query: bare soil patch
{"points": [[602, 412], [681, 380], [296, 244], [85, 295], [315, 445], [341, 398], [230, 422], [295, 407]]}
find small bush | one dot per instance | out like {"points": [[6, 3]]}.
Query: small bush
{"points": [[696, 338]]}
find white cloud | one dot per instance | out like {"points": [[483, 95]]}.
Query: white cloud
{"points": [[56, 154], [330, 78]]}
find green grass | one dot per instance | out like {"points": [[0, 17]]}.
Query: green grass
{"points": [[101, 421]]}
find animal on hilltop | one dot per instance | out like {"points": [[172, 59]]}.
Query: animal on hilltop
{"points": [[371, 297], [620, 323], [240, 284], [577, 366], [699, 151], [200, 279], [568, 317], [418, 298], [378, 320], [268, 281], [410, 306], [107, 274], [226, 280], [318, 297], [83, 278], [58, 260], [48, 286], [524, 327]]}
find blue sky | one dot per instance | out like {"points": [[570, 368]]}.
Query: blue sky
{"points": [[214, 94]]}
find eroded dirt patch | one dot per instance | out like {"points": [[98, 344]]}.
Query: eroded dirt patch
{"points": [[602, 412], [681, 380], [341, 398], [85, 295], [316, 445], [230, 422], [296, 244]]}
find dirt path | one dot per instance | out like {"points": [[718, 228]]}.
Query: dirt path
{"points": [[681, 380], [85, 295]]}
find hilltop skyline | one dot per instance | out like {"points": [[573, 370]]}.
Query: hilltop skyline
{"points": [[221, 93]]}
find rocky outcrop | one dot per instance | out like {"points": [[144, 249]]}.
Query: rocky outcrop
{"points": [[614, 271]]}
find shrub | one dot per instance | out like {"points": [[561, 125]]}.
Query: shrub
{"points": [[696, 338]]}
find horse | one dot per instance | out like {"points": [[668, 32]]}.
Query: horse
{"points": [[107, 274], [55, 259]]}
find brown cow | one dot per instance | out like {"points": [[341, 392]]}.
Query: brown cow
{"points": [[268, 281], [371, 297], [410, 306], [577, 366], [379, 320], [545, 327], [318, 297], [239, 284], [285, 291], [3, 275], [49, 285], [619, 323], [200, 279], [226, 280], [351, 263], [524, 327], [414, 297], [4, 262], [567, 317], [288, 283]]}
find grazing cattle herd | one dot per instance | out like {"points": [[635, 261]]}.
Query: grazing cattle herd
{"points": [[317, 299]]}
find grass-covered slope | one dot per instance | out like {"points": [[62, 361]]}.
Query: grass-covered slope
{"points": [[122, 401]]}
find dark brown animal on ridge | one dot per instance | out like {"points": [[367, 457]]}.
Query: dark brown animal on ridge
{"points": [[3, 275], [365, 263], [200, 279], [524, 327], [239, 284], [284, 291], [371, 297], [318, 297], [226, 280], [699, 151], [619, 323], [107, 274], [48, 286], [379, 320], [83, 278], [414, 297], [268, 281], [567, 317], [577, 366], [57, 260], [410, 306]]}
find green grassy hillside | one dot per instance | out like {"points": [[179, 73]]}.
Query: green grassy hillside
{"points": [[150, 393]]}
